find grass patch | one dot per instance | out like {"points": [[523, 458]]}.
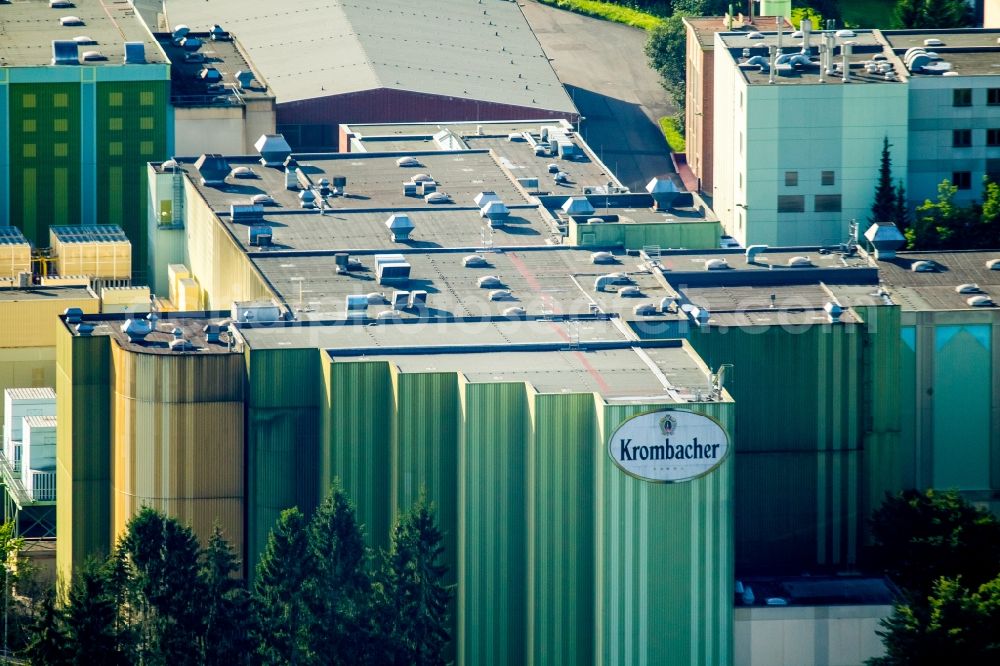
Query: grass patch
{"points": [[869, 13], [675, 139], [607, 11]]}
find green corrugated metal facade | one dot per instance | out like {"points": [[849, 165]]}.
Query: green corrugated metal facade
{"points": [[818, 438], [45, 157], [83, 448]]}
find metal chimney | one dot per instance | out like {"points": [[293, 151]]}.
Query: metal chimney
{"points": [[778, 26], [772, 51], [845, 52], [806, 26]]}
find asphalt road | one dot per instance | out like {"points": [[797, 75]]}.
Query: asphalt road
{"points": [[603, 66]]}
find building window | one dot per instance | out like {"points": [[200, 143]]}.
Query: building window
{"points": [[60, 149], [114, 123], [114, 99], [961, 97], [115, 148], [60, 125], [961, 138], [962, 180], [28, 125], [60, 100], [791, 178], [146, 98], [993, 170], [146, 123], [826, 178], [993, 137], [791, 203], [146, 147], [993, 96], [827, 203], [29, 150], [28, 101]]}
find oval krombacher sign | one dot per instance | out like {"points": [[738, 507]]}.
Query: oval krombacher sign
{"points": [[668, 446]]}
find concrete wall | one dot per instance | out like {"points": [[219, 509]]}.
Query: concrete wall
{"points": [[808, 635], [932, 157], [209, 129]]}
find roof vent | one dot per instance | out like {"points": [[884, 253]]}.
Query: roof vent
{"points": [[489, 282], [210, 75], [886, 238], [180, 32], [71, 20], [169, 164], [83, 328], [65, 52], [244, 78], [753, 251], [420, 178], [391, 268], [243, 172], [218, 34], [644, 310], [273, 149], [375, 297], [663, 191], [135, 53], [400, 226], [137, 329], [437, 198], [515, 311], [933, 41], [246, 213], [993, 264], [307, 199], [596, 220], [260, 235], [968, 288], [484, 198], [191, 43], [577, 206], [755, 35], [73, 315], [981, 301], [84, 40], [475, 261], [93, 56], [602, 258], [630, 292], [213, 333], [408, 161], [716, 265], [496, 212], [213, 169], [261, 199], [845, 34], [60, 4], [923, 266], [800, 262], [500, 295], [356, 306]]}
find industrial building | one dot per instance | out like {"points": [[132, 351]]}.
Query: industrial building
{"points": [[333, 62], [83, 106]]}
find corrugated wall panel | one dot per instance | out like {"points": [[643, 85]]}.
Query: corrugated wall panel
{"points": [[356, 441], [659, 542], [282, 412], [492, 594], [178, 439], [83, 449], [561, 565]]}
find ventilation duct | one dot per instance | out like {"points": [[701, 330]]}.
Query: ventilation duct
{"points": [[213, 169], [663, 192], [65, 52], [135, 53], [886, 238], [273, 149], [400, 226], [577, 206]]}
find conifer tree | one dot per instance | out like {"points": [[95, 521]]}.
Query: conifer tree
{"points": [[884, 205], [93, 631], [48, 643], [901, 216], [226, 639], [283, 593]]}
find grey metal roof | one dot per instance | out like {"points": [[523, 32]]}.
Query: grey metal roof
{"points": [[455, 48]]}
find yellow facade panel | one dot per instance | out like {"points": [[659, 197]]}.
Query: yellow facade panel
{"points": [[32, 322], [188, 295], [14, 259]]}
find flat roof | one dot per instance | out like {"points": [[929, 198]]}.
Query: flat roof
{"points": [[158, 341], [452, 48], [635, 209], [187, 88], [46, 293], [936, 290], [970, 52], [374, 181], [705, 27], [30, 26], [649, 372], [866, 45]]}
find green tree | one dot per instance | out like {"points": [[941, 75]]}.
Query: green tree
{"points": [[49, 644], [936, 222], [919, 537], [901, 210], [919, 14], [226, 637], [163, 556], [283, 589], [989, 234], [343, 586], [411, 585], [93, 631], [665, 50], [884, 204], [954, 626]]}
